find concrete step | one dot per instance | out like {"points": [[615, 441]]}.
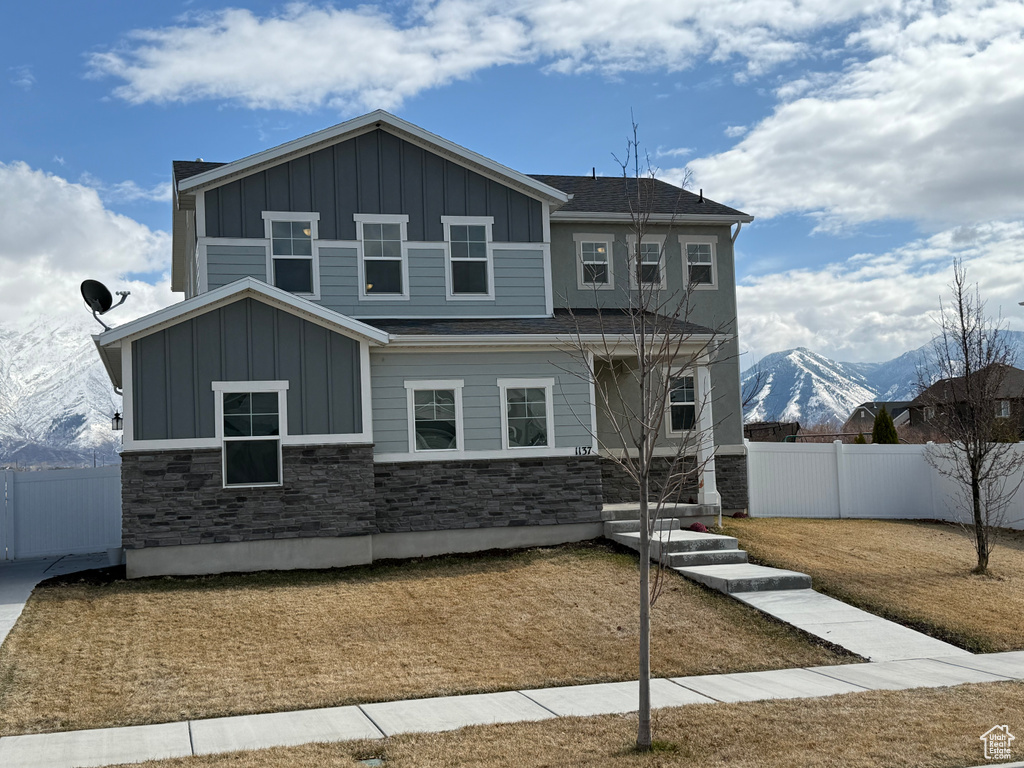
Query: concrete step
{"points": [[710, 557], [687, 513], [677, 541], [633, 526], [745, 578]]}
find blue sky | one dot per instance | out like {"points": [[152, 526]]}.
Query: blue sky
{"points": [[874, 141]]}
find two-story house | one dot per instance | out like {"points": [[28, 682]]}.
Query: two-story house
{"points": [[370, 360]]}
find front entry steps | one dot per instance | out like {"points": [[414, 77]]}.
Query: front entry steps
{"points": [[713, 560]]}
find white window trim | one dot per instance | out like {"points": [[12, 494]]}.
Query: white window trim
{"points": [[582, 237], [221, 388], [711, 240], [1003, 411], [314, 226], [478, 221], [669, 374], [382, 218], [420, 385], [631, 246], [548, 385]]}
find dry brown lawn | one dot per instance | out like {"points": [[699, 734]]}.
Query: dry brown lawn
{"points": [[929, 728], [95, 655], [914, 573]]}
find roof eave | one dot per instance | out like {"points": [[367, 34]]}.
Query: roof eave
{"points": [[661, 218]]}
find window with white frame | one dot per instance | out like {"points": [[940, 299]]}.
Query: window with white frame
{"points": [[251, 420], [470, 268], [1002, 409], [652, 261], [594, 262], [435, 415], [682, 400], [383, 269], [293, 259], [527, 415], [699, 257]]}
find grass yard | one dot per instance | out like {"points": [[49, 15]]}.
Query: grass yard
{"points": [[154, 650], [914, 573], [925, 728]]}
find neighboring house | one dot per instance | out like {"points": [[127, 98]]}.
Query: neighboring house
{"points": [[863, 417], [946, 394], [370, 362]]}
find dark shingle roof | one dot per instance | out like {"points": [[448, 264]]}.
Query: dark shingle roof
{"points": [[184, 169], [608, 194], [565, 322]]}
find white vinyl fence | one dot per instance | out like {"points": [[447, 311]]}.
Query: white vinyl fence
{"points": [[59, 512], [854, 481]]}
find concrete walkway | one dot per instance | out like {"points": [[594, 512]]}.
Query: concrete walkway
{"points": [[19, 577], [75, 749]]}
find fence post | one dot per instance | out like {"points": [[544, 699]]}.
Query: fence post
{"points": [[840, 477]]}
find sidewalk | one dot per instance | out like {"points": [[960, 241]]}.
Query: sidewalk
{"points": [[75, 749], [19, 577]]}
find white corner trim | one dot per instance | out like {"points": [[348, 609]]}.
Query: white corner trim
{"points": [[366, 390]]}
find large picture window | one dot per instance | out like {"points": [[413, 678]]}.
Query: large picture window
{"points": [[470, 268], [383, 269], [435, 415], [251, 422], [527, 418], [293, 264]]}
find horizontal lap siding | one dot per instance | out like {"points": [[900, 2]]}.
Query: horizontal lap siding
{"points": [[227, 263], [480, 395], [244, 341]]}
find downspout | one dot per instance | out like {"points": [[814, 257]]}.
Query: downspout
{"points": [[739, 226]]}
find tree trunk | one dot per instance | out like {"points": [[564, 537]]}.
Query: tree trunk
{"points": [[980, 529], [643, 734]]}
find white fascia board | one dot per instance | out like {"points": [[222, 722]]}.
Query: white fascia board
{"points": [[658, 218], [244, 288], [357, 125]]}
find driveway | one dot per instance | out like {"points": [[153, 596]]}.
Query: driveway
{"points": [[19, 577]]}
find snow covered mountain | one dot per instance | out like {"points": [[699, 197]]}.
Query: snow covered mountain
{"points": [[801, 385], [55, 398]]}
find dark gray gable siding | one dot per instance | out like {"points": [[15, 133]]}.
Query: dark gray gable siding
{"points": [[248, 340], [375, 172]]}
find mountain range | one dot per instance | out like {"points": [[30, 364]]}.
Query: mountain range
{"points": [[801, 385], [56, 400]]}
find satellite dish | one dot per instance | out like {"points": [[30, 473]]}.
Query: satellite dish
{"points": [[97, 296], [99, 300]]}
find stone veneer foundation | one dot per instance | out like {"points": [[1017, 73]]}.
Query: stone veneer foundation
{"points": [[730, 478]]}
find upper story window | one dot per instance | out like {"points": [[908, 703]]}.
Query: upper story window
{"points": [[700, 260], [435, 415], [682, 403], [251, 421], [383, 259], [594, 262], [292, 262], [470, 268], [1002, 409], [652, 261], [527, 418]]}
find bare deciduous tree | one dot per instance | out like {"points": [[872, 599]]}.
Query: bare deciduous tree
{"points": [[971, 362], [650, 368]]}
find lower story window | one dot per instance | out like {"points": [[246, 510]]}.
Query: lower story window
{"points": [[435, 415], [251, 426], [527, 414], [682, 404]]}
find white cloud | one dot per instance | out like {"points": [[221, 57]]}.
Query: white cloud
{"points": [[22, 76], [677, 152], [734, 131], [58, 159], [54, 234], [127, 191], [927, 127], [877, 306], [307, 56]]}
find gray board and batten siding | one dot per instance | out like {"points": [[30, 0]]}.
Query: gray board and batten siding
{"points": [[375, 172], [246, 340], [481, 398], [519, 287]]}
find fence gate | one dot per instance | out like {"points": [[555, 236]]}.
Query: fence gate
{"points": [[49, 513]]}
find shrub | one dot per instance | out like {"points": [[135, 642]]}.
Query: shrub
{"points": [[884, 431], [859, 439], [699, 528]]}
